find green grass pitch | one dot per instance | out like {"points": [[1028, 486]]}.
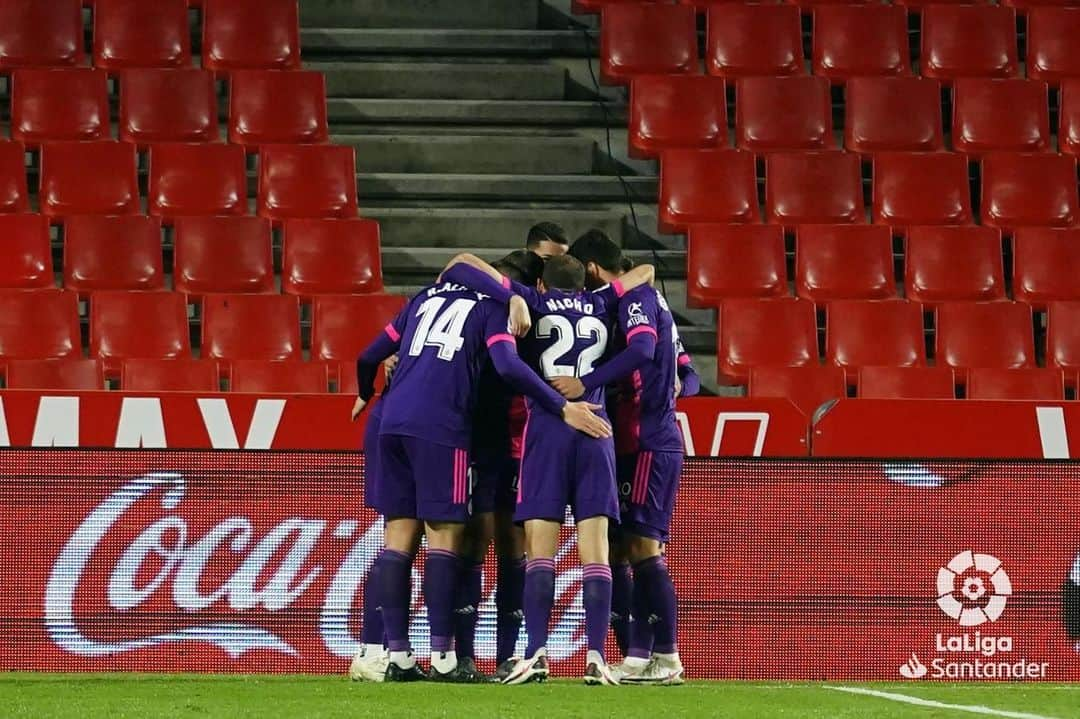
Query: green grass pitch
{"points": [[270, 696]]}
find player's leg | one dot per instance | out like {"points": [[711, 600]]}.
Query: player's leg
{"points": [[646, 528], [478, 535], [397, 502], [622, 577], [509, 588], [1071, 603], [541, 543]]}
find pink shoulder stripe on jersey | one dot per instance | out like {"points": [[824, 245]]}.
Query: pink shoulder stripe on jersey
{"points": [[639, 329], [506, 282], [684, 359], [392, 332], [504, 337], [618, 287]]}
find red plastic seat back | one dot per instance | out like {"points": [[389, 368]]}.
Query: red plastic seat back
{"points": [[223, 254], [307, 181], [278, 377], [25, 254], [791, 340], [39, 324], [985, 334], [137, 33], [1046, 263], [68, 104], [874, 334], [267, 106], [331, 257], [88, 178], [112, 253], [258, 34], [754, 40], [734, 261], [643, 39], [844, 262], [73, 375], [343, 325], [125, 325], [807, 387], [954, 263], [907, 383], [178, 105], [40, 34], [893, 113], [197, 179], [175, 375], [265, 327]]}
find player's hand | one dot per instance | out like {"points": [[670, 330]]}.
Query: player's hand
{"points": [[520, 319], [389, 365], [579, 415], [568, 387], [678, 386], [358, 407]]}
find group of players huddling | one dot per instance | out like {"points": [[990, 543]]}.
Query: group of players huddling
{"points": [[454, 454]]}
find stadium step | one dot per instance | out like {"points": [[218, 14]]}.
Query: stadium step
{"points": [[353, 111], [345, 42], [458, 81], [505, 187], [502, 14], [503, 154]]}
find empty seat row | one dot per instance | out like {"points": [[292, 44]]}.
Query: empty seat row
{"points": [[101, 177], [900, 114], [957, 41], [170, 105], [891, 333], [941, 264], [236, 34], [210, 254], [582, 7], [809, 388], [44, 324], [720, 186]]}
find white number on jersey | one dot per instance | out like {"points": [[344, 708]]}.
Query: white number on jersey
{"points": [[441, 327], [565, 332]]}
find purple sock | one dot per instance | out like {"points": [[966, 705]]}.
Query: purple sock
{"points": [[470, 586], [440, 587], [641, 631], [395, 574], [662, 603], [539, 597], [509, 599], [622, 590], [596, 596], [372, 631]]}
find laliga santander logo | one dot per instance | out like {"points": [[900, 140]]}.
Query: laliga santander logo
{"points": [[982, 584], [273, 571]]}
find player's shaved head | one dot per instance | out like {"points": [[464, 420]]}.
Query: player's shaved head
{"points": [[522, 266], [564, 273], [596, 247]]}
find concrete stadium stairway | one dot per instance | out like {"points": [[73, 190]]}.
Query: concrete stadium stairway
{"points": [[473, 120]]}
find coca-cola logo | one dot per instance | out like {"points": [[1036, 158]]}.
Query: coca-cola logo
{"points": [[270, 574]]}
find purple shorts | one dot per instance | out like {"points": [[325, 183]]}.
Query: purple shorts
{"points": [[648, 482], [561, 466], [371, 456], [419, 479], [494, 483]]}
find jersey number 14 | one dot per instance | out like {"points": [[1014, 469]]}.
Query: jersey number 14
{"points": [[440, 327]]}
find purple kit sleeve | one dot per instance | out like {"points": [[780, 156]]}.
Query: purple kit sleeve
{"points": [[638, 320], [367, 365], [530, 294], [464, 274], [518, 375], [691, 383]]}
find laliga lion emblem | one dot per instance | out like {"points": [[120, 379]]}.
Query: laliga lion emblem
{"points": [[982, 584]]}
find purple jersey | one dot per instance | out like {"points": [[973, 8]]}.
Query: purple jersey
{"points": [[645, 417], [569, 336], [444, 333]]}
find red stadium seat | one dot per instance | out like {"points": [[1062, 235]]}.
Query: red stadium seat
{"points": [[69, 104], [343, 325], [922, 188], [1052, 51], [267, 106], [907, 383], [137, 33], [330, 257], [591, 7], [197, 179], [13, 192], [1000, 115], [734, 261], [706, 186], [1046, 263], [141, 325], [1029, 189], [752, 40], [860, 41], [1063, 335], [263, 327], [783, 113], [222, 254], [112, 253], [25, 255], [168, 106], [644, 39], [55, 374], [88, 178], [40, 324], [40, 34], [1025, 384], [807, 387], [893, 113], [1069, 117], [954, 263], [844, 262], [676, 111], [791, 340], [813, 187], [968, 41], [251, 34], [1024, 6], [874, 334], [307, 181], [985, 334], [278, 377], [174, 375]]}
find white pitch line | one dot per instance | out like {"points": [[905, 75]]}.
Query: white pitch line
{"points": [[970, 708]]}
